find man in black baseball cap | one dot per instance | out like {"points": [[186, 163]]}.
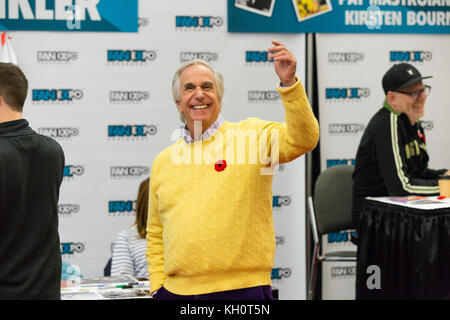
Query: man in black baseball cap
{"points": [[392, 158], [400, 76], [405, 92]]}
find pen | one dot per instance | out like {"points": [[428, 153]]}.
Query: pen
{"points": [[441, 197], [123, 286], [119, 286]]}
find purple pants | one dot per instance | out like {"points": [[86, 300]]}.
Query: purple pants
{"points": [[254, 293]]}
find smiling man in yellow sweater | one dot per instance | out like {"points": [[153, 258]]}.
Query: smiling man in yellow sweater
{"points": [[210, 232]]}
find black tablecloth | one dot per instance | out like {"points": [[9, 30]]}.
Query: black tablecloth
{"points": [[410, 246]]}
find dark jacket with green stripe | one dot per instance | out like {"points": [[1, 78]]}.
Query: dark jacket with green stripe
{"points": [[392, 160]]}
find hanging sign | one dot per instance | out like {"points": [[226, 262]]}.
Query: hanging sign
{"points": [[69, 15]]}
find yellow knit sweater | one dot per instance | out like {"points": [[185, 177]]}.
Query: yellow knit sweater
{"points": [[210, 227]]}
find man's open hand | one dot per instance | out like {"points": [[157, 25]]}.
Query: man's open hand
{"points": [[284, 62]]}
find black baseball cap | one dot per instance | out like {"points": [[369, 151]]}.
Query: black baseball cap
{"points": [[401, 75]]}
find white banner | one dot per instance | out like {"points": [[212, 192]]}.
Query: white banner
{"points": [[106, 98], [354, 65]]}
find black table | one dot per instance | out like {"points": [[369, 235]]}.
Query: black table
{"points": [[411, 247]]}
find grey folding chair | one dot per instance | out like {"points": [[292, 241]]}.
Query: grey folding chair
{"points": [[330, 211]]}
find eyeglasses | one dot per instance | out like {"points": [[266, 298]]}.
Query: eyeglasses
{"points": [[416, 94]]}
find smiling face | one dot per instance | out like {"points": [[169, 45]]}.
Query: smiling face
{"points": [[413, 108], [199, 100]]}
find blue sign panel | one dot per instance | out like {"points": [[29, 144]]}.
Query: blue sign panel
{"points": [[69, 15], [339, 16]]}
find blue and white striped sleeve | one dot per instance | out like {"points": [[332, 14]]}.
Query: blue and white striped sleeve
{"points": [[122, 260]]}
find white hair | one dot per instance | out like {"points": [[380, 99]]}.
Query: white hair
{"points": [[176, 81]]}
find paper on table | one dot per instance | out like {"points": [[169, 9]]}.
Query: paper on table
{"points": [[418, 202], [123, 279]]}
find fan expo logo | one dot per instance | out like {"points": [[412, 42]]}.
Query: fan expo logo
{"points": [[67, 209], [263, 96], [345, 57], [197, 23], [122, 207], [257, 58], [136, 132], [280, 201], [130, 57], [143, 22], [129, 172], [128, 97], [355, 94], [279, 273], [62, 133], [56, 56], [410, 56], [335, 162], [186, 56], [345, 128], [69, 248], [427, 124], [56, 96], [279, 241], [71, 171], [343, 272], [340, 237]]}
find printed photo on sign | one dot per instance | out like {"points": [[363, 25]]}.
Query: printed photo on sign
{"points": [[263, 7], [306, 9]]}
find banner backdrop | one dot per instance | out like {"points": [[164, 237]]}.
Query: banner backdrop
{"points": [[106, 98], [346, 104], [339, 16], [69, 15], [7, 53]]}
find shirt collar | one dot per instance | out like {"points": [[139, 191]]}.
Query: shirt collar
{"points": [[15, 128], [387, 106], [185, 134]]}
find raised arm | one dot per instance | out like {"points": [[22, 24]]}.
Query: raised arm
{"points": [[284, 62], [300, 133]]}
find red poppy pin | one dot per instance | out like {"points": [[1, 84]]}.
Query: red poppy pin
{"points": [[220, 165]]}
